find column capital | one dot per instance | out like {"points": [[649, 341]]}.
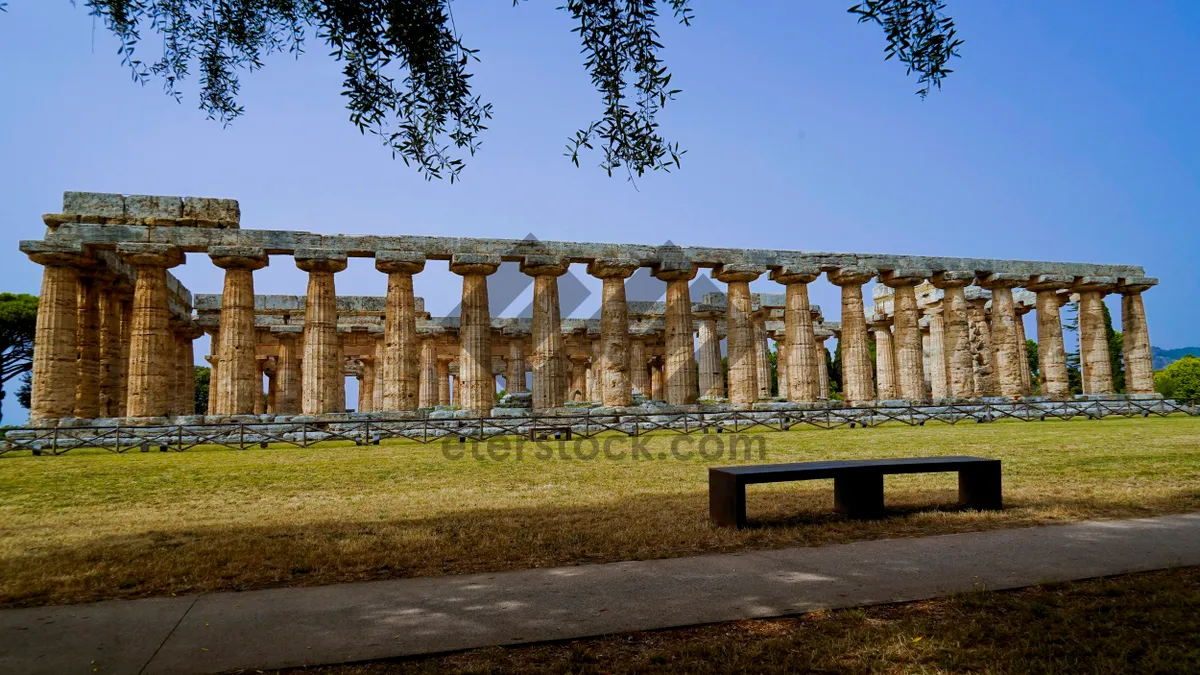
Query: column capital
{"points": [[320, 260], [1135, 285], [993, 281], [238, 257], [879, 321], [468, 264], [1094, 284], [903, 277], [544, 265], [674, 270], [282, 333], [733, 272], [795, 274], [56, 254], [613, 268], [850, 276], [944, 279], [399, 262], [1049, 282], [165, 256], [189, 331]]}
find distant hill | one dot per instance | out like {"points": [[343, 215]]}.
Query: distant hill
{"points": [[1165, 357]]}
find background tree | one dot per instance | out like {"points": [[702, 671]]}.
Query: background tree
{"points": [[203, 381], [1116, 352], [18, 320], [834, 364], [405, 67], [1180, 380], [1035, 370]]}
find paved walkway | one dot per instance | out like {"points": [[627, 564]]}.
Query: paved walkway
{"points": [[352, 622]]}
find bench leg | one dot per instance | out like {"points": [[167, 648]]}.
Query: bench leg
{"points": [[979, 488], [726, 500], [859, 496]]}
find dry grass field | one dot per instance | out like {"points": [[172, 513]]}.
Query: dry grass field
{"points": [[92, 525]]}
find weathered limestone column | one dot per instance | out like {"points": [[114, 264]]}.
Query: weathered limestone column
{"points": [[514, 375], [150, 339], [187, 336], [475, 332], [983, 359], [1139, 364], [885, 357], [579, 367], [821, 356], [595, 366], [548, 360], [781, 363], [856, 356], [110, 349], [377, 398], [657, 386], [55, 349], [615, 382], [340, 385], [401, 365], [1093, 340], [802, 378], [1052, 354], [87, 327], [430, 369], [272, 389], [712, 377], [637, 366], [742, 354], [938, 382], [260, 403], [126, 338], [235, 391], [322, 371], [910, 360], [762, 354], [443, 380], [682, 387], [956, 334], [287, 371], [1004, 332], [1026, 375], [366, 385]]}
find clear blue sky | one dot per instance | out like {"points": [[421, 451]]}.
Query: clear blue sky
{"points": [[1067, 132]]}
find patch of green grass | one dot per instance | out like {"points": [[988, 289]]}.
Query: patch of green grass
{"points": [[93, 525], [1142, 623]]}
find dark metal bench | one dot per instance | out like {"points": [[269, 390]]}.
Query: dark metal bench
{"points": [[857, 483]]}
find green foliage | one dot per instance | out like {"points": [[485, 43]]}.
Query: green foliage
{"points": [[18, 321], [1116, 352], [774, 389], [1031, 352], [405, 73], [203, 382], [833, 363], [1180, 380], [25, 393]]}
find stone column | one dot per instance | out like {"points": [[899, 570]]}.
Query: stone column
{"points": [[657, 387], [802, 376], [322, 372], [595, 365], [272, 390], [1139, 364], [514, 375], [615, 381], [1052, 354], [579, 390], [150, 339], [682, 387], [910, 360], [430, 370], [187, 368], [1004, 332], [983, 360], [87, 328], [956, 339], [235, 390], [401, 365], [637, 367], [260, 403], [55, 348], [885, 357], [110, 349], [1093, 339], [443, 380], [781, 363], [548, 360], [366, 387], [287, 372], [856, 356], [742, 354], [762, 354], [475, 332], [939, 386], [821, 356], [712, 377], [1026, 376], [126, 338], [377, 398]]}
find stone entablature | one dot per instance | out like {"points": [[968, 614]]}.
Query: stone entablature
{"points": [[973, 348]]}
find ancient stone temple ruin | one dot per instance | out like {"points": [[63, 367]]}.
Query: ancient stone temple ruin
{"points": [[115, 329]]}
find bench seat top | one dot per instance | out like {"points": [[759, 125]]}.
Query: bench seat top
{"points": [[766, 473]]}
